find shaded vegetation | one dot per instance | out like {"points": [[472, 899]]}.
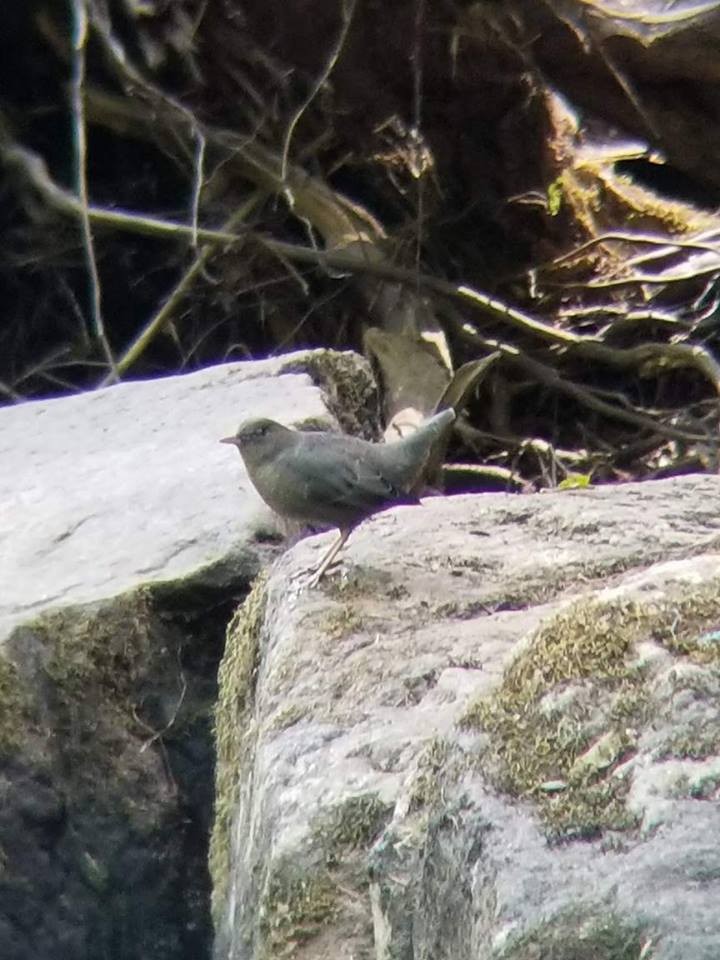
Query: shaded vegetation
{"points": [[201, 181]]}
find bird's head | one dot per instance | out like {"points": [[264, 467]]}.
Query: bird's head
{"points": [[258, 440]]}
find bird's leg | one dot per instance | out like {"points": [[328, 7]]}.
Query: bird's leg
{"points": [[330, 556]]}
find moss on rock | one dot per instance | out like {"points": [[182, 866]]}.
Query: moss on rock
{"points": [[580, 935], [426, 788], [350, 825], [339, 621], [348, 387], [109, 646], [92, 668], [14, 707], [583, 659], [296, 905], [233, 728], [104, 712]]}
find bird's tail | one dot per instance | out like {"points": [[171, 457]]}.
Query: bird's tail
{"points": [[408, 460]]}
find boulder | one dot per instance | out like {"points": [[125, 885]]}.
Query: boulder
{"points": [[127, 536], [495, 733], [105, 491]]}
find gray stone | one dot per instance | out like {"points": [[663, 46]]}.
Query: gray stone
{"points": [[104, 491], [385, 693], [127, 535], [409, 756]]}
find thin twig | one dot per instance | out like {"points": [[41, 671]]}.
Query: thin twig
{"points": [[161, 744], [620, 314], [293, 271], [35, 169], [158, 321], [11, 394], [418, 78], [698, 244], [648, 279], [159, 734], [80, 36], [348, 10], [197, 183], [354, 262], [625, 84]]}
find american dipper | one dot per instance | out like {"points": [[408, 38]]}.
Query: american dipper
{"points": [[334, 479]]}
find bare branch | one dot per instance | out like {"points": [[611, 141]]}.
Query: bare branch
{"points": [[161, 317], [348, 9], [80, 36]]}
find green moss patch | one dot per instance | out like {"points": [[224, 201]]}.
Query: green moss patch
{"points": [[580, 935], [108, 706], [288, 717], [690, 625], [426, 789], [109, 647], [535, 749], [100, 672], [14, 707], [563, 754], [351, 825], [339, 622], [233, 729], [347, 385], [698, 744], [295, 907]]}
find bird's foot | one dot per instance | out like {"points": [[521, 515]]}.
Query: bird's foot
{"points": [[328, 559], [323, 570]]}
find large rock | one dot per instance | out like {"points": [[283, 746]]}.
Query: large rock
{"points": [[104, 491], [496, 734], [125, 544]]}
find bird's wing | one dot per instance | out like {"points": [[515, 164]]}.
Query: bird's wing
{"points": [[342, 489]]}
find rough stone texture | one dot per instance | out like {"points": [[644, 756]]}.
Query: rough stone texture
{"points": [[125, 543], [104, 491], [494, 734]]}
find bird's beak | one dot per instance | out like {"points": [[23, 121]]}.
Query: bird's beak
{"points": [[233, 440]]}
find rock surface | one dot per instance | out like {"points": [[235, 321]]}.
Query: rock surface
{"points": [[125, 544], [104, 491], [494, 734]]}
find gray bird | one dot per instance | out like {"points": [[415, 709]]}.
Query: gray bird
{"points": [[333, 479]]}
